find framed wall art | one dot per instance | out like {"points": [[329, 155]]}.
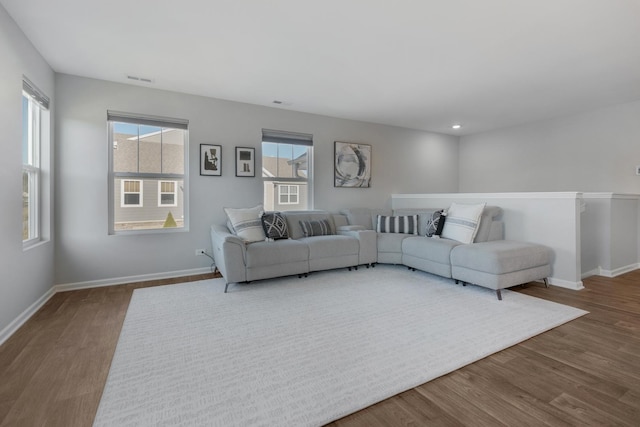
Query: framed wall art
{"points": [[245, 161], [352, 165], [210, 160]]}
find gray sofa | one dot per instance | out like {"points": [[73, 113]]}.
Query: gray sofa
{"points": [[490, 261]]}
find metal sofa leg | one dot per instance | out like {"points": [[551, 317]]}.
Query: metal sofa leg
{"points": [[499, 294], [546, 282], [225, 287]]}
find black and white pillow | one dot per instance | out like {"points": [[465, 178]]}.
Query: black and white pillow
{"points": [[435, 224], [407, 224], [274, 225], [319, 227]]}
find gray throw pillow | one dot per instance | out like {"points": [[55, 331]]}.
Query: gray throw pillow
{"points": [[321, 227]]}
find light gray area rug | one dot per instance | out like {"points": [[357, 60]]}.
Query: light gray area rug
{"points": [[303, 352]]}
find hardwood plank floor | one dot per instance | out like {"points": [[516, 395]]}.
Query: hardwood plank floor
{"points": [[586, 372]]}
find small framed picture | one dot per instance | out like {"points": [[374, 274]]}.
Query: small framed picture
{"points": [[210, 160], [245, 161]]}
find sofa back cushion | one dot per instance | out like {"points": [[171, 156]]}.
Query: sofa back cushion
{"points": [[364, 217], [490, 228]]}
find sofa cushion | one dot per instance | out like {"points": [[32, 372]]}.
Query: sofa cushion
{"points": [[501, 257], [462, 222], [364, 216], [246, 223], [279, 252], [438, 250], [489, 215], [334, 246], [391, 242], [397, 224], [274, 226]]}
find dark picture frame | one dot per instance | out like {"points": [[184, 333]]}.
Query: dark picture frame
{"points": [[210, 160], [245, 161], [352, 165]]}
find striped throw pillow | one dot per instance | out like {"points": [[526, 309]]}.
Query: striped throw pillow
{"points": [[407, 224], [320, 227]]}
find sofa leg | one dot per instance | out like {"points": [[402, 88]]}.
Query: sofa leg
{"points": [[499, 294], [225, 287], [349, 268], [546, 282], [373, 265], [356, 267], [457, 281]]}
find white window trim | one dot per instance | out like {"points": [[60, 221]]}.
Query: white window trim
{"points": [[288, 194], [174, 192], [32, 167], [122, 194]]}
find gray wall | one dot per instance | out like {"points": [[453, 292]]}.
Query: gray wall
{"points": [[590, 152], [26, 275], [404, 161]]}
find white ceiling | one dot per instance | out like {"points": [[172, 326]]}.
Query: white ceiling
{"points": [[418, 64]]}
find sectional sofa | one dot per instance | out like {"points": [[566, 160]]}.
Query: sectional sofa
{"points": [[349, 239]]}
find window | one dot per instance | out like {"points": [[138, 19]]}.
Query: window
{"points": [[167, 195], [147, 153], [34, 103], [287, 170], [131, 194], [288, 194]]}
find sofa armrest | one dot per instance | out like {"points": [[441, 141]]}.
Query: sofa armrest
{"points": [[368, 240], [229, 254]]}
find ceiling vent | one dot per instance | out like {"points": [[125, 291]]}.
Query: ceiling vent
{"points": [[140, 79]]}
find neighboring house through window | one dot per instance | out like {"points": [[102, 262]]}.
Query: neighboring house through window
{"points": [[34, 105], [287, 170], [131, 193], [288, 194], [167, 193], [148, 178]]}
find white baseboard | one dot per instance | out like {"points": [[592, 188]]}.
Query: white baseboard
{"points": [[33, 308], [561, 283], [129, 279], [12, 327], [618, 271], [594, 272]]}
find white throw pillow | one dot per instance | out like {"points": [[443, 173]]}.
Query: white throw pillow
{"points": [[246, 223], [462, 222]]}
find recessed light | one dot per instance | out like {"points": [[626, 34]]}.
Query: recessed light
{"points": [[456, 126]]}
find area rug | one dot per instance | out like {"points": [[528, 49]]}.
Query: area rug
{"points": [[303, 352]]}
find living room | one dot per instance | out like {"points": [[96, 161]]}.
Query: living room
{"points": [[581, 135]]}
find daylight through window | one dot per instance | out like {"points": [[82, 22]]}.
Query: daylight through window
{"points": [[33, 105], [287, 170], [148, 179]]}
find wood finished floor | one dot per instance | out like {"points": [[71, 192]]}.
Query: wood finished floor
{"points": [[586, 372]]}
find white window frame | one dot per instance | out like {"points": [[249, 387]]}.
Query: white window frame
{"points": [[292, 138], [123, 204], [32, 169], [162, 122], [288, 194], [174, 192]]}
